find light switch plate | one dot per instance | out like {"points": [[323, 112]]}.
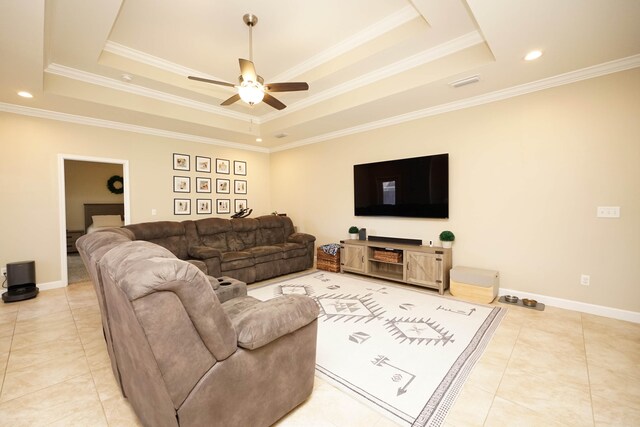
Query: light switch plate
{"points": [[608, 212]]}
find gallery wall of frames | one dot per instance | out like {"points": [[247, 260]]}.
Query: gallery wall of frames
{"points": [[207, 186]]}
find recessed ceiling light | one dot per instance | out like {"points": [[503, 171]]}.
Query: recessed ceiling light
{"points": [[25, 94], [534, 54], [258, 139]]}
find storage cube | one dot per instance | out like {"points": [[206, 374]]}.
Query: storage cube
{"points": [[474, 284]]}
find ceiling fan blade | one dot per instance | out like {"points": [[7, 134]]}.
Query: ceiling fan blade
{"points": [[231, 100], [248, 70], [286, 87], [215, 82], [275, 103]]}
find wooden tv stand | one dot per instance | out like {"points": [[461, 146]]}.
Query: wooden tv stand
{"points": [[417, 265]]}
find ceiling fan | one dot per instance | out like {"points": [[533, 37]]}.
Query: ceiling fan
{"points": [[251, 86]]}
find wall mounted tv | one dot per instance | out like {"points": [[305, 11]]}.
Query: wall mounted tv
{"points": [[417, 187]]}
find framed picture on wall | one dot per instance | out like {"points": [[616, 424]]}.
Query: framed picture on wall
{"points": [[223, 166], [222, 186], [203, 185], [239, 168], [203, 206], [181, 184], [181, 206], [203, 164], [239, 186], [240, 204], [223, 206], [181, 162]]}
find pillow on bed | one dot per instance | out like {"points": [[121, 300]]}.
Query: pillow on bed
{"points": [[107, 220]]}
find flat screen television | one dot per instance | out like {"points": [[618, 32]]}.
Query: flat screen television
{"points": [[417, 187]]}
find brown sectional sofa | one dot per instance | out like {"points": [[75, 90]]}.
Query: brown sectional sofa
{"points": [[182, 356], [247, 249]]}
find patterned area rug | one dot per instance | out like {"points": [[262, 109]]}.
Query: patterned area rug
{"points": [[405, 353]]}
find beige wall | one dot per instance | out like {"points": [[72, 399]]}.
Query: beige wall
{"points": [[29, 218], [86, 182], [526, 176]]}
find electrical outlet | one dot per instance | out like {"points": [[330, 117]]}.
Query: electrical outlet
{"points": [[585, 279], [3, 270]]}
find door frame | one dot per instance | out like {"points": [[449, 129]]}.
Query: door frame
{"points": [[62, 197]]}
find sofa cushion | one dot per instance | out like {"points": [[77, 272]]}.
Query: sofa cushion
{"points": [[265, 253], [271, 230], [213, 232], [168, 234], [292, 250], [243, 234], [236, 260]]}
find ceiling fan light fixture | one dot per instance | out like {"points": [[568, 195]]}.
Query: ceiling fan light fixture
{"points": [[251, 92]]}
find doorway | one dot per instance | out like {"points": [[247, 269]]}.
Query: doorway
{"points": [[90, 181]]}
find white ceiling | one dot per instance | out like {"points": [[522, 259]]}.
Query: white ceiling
{"points": [[367, 62]]}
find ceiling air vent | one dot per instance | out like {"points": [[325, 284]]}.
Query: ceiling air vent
{"points": [[465, 81], [281, 135]]}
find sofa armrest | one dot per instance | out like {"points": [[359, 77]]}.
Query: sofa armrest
{"points": [[203, 252], [267, 321], [301, 238]]}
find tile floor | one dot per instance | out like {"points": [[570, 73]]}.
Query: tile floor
{"points": [[550, 368]]}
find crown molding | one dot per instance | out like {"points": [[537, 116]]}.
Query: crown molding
{"points": [[95, 79], [372, 32], [154, 61], [559, 80], [90, 121], [445, 49], [562, 79]]}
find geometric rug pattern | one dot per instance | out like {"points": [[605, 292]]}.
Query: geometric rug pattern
{"points": [[403, 352]]}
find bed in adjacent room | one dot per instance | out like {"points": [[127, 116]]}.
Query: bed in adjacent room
{"points": [[98, 216]]}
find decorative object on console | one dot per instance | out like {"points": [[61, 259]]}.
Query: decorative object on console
{"points": [[362, 234], [115, 184], [447, 238], [353, 232]]}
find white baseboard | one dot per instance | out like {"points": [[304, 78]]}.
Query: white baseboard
{"points": [[598, 310], [51, 285]]}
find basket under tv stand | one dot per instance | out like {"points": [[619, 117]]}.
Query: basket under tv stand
{"points": [[424, 266]]}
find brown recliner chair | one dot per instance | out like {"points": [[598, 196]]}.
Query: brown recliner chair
{"points": [[185, 359]]}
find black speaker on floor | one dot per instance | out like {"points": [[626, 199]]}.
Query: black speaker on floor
{"points": [[21, 281]]}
